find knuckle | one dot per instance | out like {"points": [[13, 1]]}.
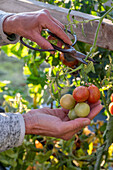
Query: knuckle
{"points": [[42, 15], [46, 11]]}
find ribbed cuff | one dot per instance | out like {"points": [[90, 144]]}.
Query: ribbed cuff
{"points": [[22, 125], [5, 38]]}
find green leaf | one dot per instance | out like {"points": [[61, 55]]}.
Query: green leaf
{"points": [[68, 18], [90, 67], [10, 153], [42, 157]]}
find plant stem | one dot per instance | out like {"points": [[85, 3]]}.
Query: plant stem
{"points": [[97, 31]]}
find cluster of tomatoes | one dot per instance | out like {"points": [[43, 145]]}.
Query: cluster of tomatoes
{"points": [[77, 103], [111, 104]]}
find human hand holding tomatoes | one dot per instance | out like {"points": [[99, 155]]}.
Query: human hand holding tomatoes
{"points": [[83, 96], [53, 122]]}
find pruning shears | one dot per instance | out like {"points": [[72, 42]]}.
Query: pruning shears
{"points": [[69, 55]]}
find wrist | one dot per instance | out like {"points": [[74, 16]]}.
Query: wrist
{"points": [[8, 25], [28, 124]]}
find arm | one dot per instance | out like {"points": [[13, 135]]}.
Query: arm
{"points": [[4, 38], [12, 130]]}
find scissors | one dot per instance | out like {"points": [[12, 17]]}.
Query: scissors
{"points": [[70, 54]]}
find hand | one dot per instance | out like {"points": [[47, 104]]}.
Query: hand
{"points": [[55, 122], [30, 25]]}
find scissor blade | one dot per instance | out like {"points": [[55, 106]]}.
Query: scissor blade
{"points": [[83, 56], [79, 56], [80, 59]]}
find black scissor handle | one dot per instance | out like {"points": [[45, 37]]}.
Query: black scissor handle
{"points": [[54, 46]]}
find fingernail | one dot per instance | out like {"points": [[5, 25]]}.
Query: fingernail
{"points": [[86, 122]]}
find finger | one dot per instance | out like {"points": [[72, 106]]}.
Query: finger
{"points": [[54, 19], [59, 44], [42, 42], [74, 125], [95, 104], [57, 30], [51, 38], [95, 111], [58, 22], [66, 119]]}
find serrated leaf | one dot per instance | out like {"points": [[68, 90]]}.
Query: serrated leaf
{"points": [[89, 67]]}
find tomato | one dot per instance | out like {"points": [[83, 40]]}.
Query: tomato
{"points": [[72, 115], [94, 94], [82, 109], [80, 93], [67, 62], [111, 97], [67, 101], [111, 108]]}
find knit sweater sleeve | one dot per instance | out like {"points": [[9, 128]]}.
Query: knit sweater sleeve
{"points": [[12, 130], [5, 39]]}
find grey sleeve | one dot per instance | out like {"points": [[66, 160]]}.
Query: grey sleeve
{"points": [[12, 130], [5, 39]]}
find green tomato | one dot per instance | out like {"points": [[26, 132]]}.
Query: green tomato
{"points": [[72, 115], [82, 109]]}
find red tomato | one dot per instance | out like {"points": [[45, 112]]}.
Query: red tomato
{"points": [[111, 108], [94, 94], [66, 62], [80, 93], [111, 97]]}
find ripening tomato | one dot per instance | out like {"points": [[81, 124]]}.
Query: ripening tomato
{"points": [[111, 97], [68, 62], [94, 94], [72, 115], [81, 93], [111, 108], [67, 101], [82, 109]]}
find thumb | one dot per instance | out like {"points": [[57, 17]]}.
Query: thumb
{"points": [[78, 123]]}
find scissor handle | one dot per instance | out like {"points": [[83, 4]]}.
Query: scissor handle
{"points": [[54, 46]]}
